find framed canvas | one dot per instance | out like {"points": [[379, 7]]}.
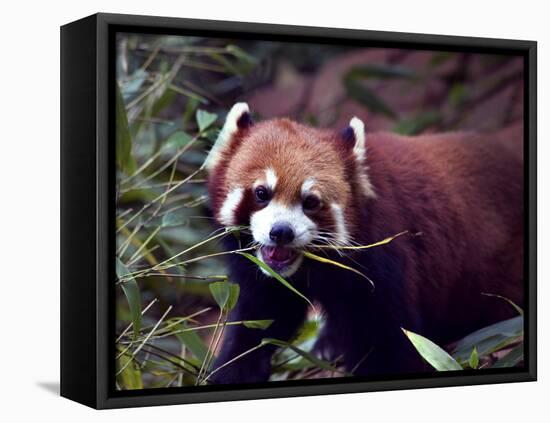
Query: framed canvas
{"points": [[258, 211]]}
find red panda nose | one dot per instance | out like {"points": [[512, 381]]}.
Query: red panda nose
{"points": [[281, 233]]}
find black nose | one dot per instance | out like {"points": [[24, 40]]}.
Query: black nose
{"points": [[281, 234]]}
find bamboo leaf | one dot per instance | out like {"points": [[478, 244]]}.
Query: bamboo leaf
{"points": [[436, 356], [511, 359], [489, 339], [356, 89], [173, 219], [220, 293], [205, 119], [257, 324], [239, 53], [123, 140], [162, 98], [194, 343], [178, 139], [130, 88], [278, 277], [234, 291], [322, 364], [130, 377], [225, 294], [133, 295], [473, 362], [509, 301], [364, 247], [364, 95], [335, 263]]}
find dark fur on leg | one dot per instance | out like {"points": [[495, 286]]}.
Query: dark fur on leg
{"points": [[364, 323], [261, 298]]}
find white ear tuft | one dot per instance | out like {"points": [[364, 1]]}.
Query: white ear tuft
{"points": [[359, 131], [230, 127], [360, 151]]}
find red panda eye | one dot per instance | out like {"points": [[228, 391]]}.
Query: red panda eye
{"points": [[311, 203], [262, 194]]}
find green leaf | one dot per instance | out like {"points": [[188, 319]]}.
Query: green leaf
{"points": [[473, 362], [335, 263], [239, 53], [418, 123], [509, 301], [124, 158], [178, 140], [489, 339], [257, 324], [131, 87], [205, 119], [173, 219], [511, 359], [297, 364], [367, 97], [130, 378], [278, 277], [322, 364], [356, 89], [220, 293], [234, 291], [133, 295], [163, 98], [194, 343], [438, 358], [225, 294], [189, 111]]}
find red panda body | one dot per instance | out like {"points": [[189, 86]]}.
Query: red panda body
{"points": [[459, 196], [463, 194]]}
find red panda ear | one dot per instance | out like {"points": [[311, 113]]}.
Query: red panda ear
{"points": [[237, 119], [354, 136]]}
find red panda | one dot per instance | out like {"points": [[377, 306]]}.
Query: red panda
{"points": [[295, 187]]}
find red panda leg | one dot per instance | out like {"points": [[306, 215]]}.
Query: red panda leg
{"points": [[261, 298], [363, 325]]}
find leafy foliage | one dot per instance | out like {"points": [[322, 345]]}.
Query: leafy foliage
{"points": [[478, 346]]}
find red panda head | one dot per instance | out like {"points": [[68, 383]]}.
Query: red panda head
{"points": [[293, 185]]}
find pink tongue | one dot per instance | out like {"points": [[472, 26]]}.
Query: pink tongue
{"points": [[278, 253]]}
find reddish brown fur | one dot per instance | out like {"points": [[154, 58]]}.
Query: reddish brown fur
{"points": [[295, 152], [461, 194], [464, 193]]}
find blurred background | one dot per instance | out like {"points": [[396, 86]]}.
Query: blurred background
{"points": [[172, 96]]}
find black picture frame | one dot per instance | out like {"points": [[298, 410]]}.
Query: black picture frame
{"points": [[87, 208]]}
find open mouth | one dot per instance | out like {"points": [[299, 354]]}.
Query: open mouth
{"points": [[278, 258]]}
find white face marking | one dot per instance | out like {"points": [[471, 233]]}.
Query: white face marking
{"points": [[359, 151], [342, 233], [227, 212], [270, 178], [307, 186], [229, 129], [263, 220]]}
